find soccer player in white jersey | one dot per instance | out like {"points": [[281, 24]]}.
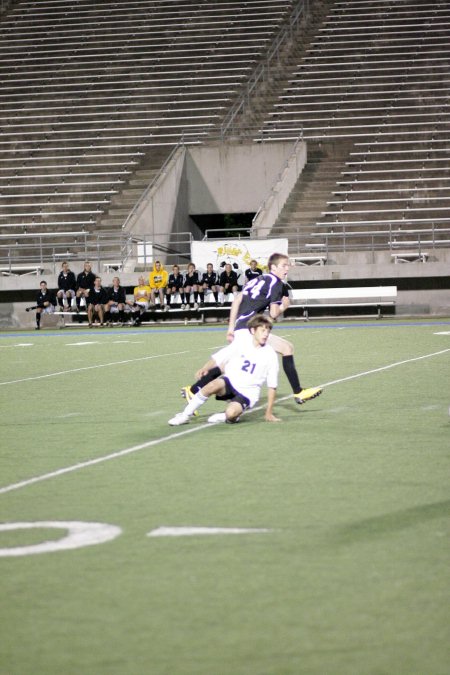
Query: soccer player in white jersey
{"points": [[244, 371], [265, 292]]}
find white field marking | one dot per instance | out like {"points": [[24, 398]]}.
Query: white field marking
{"points": [[443, 332], [72, 414], [185, 432], [101, 365], [154, 413], [79, 534], [194, 531], [80, 344], [379, 370], [100, 460], [123, 342]]}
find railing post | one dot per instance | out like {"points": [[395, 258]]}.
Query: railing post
{"points": [[41, 251]]}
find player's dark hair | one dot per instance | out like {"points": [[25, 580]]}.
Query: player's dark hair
{"points": [[275, 259], [259, 320]]}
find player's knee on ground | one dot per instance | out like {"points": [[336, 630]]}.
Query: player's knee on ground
{"points": [[233, 412]]}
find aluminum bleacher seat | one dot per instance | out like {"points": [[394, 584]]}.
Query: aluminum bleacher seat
{"points": [[89, 93], [375, 76]]}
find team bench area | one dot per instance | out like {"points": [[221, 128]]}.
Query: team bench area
{"points": [[306, 303]]}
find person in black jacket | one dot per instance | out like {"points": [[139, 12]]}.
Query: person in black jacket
{"points": [[96, 301], [228, 282], [67, 285], [209, 283], [175, 285], [45, 303], [85, 282], [117, 299], [191, 285], [253, 271]]}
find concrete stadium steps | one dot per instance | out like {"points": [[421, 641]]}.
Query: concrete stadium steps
{"points": [[375, 76], [314, 186], [97, 92]]}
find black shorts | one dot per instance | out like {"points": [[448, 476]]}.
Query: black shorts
{"points": [[232, 395]]}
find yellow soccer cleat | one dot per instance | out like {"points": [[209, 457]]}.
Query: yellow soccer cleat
{"points": [[307, 394], [188, 394]]}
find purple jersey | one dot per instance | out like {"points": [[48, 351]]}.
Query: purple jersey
{"points": [[257, 296]]}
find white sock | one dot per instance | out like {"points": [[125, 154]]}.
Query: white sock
{"points": [[195, 403]]}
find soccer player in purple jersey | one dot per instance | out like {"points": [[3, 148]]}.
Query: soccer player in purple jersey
{"points": [[264, 292]]}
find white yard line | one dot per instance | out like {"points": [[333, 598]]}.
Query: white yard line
{"points": [[100, 365], [190, 430], [99, 460], [391, 365]]}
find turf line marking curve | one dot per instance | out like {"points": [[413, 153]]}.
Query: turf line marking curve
{"points": [[190, 430]]}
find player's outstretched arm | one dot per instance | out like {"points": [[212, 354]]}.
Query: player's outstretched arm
{"points": [[233, 316], [268, 415]]}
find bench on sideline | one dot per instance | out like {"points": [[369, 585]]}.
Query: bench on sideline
{"points": [[357, 296], [377, 297]]}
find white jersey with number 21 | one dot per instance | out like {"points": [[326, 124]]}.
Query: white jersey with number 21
{"points": [[248, 367]]}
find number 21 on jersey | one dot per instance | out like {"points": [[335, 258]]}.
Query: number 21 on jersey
{"points": [[249, 367]]}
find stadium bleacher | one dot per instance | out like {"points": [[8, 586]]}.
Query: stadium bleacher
{"points": [[95, 99], [92, 97], [375, 77]]}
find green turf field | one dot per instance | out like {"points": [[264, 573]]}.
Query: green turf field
{"points": [[349, 574]]}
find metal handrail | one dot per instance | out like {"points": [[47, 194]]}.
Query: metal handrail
{"points": [[238, 230], [389, 239], [52, 248], [152, 184], [277, 181], [262, 71]]}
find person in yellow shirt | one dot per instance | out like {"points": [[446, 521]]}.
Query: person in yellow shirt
{"points": [[141, 295], [158, 279]]}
